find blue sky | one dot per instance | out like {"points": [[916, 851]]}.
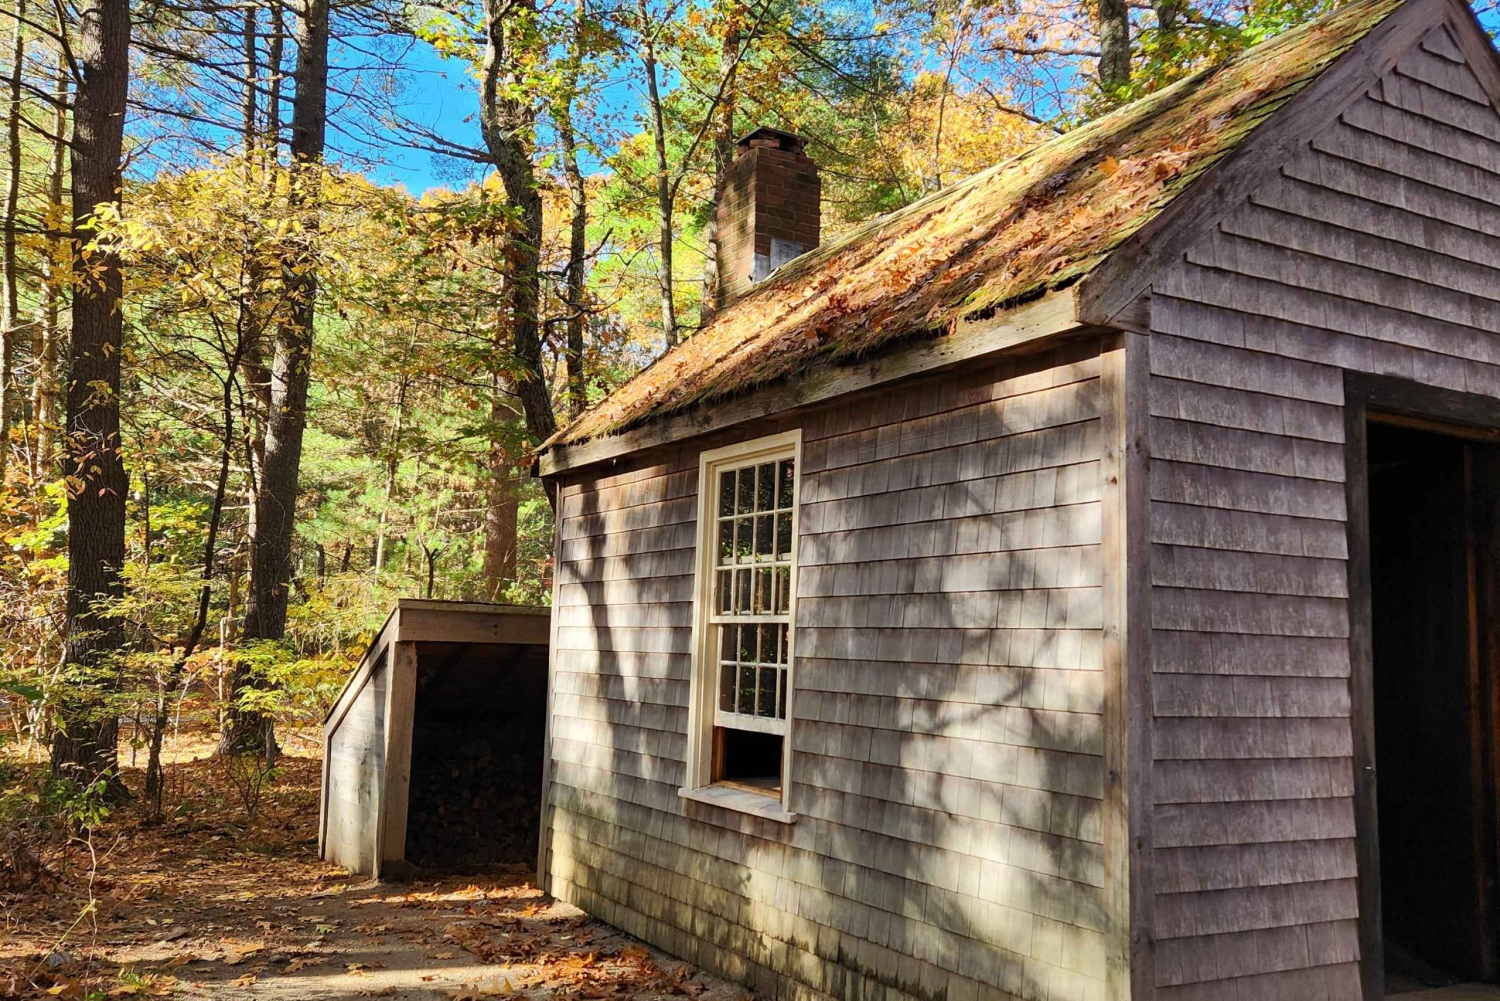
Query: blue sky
{"points": [[439, 94]]}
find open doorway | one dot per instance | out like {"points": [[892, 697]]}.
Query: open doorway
{"points": [[1430, 507], [476, 756]]}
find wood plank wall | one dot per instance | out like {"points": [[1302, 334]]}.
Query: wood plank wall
{"points": [[356, 776], [1377, 249], [947, 738]]}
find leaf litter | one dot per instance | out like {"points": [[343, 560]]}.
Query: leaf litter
{"points": [[203, 906]]}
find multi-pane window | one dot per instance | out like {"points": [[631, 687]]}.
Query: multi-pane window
{"points": [[744, 678], [752, 593]]}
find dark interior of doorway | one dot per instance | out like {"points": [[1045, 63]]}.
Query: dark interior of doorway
{"points": [[476, 762], [1433, 706]]}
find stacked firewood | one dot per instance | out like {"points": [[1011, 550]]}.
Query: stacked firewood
{"points": [[472, 806]]}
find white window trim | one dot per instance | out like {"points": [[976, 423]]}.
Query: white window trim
{"points": [[703, 691]]}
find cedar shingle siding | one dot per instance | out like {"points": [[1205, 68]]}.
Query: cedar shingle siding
{"points": [[946, 736], [1376, 250]]}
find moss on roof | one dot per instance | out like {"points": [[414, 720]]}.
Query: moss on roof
{"points": [[1036, 222]]}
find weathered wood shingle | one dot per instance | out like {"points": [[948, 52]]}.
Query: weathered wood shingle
{"points": [[947, 737], [1374, 250]]}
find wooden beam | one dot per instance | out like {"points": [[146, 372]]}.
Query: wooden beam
{"points": [[1032, 326], [400, 709], [1129, 883], [1158, 245], [471, 622], [1447, 410], [1362, 691]]}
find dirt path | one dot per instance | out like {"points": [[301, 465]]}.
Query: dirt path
{"points": [[341, 938], [199, 908]]}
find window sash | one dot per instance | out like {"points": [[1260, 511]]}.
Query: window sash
{"points": [[750, 593], [734, 721], [720, 550]]}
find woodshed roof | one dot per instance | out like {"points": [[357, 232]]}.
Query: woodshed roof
{"points": [[1036, 222]]}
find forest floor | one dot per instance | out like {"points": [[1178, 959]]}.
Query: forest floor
{"points": [[206, 905]]}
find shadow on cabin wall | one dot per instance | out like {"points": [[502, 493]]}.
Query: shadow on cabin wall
{"points": [[950, 816]]}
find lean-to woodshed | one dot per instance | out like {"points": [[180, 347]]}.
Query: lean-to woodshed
{"points": [[1078, 585], [432, 751]]}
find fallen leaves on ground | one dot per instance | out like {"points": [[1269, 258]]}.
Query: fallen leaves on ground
{"points": [[204, 906]]}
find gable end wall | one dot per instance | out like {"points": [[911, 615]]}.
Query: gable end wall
{"points": [[1376, 249]]}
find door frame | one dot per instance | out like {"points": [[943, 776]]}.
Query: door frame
{"points": [[1388, 400]]}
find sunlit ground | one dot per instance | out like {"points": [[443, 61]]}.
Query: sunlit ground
{"points": [[213, 903]]}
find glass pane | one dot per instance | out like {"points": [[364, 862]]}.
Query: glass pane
{"points": [[764, 536], [723, 581], [726, 493], [746, 644], [727, 642], [784, 536], [761, 604], [742, 592], [781, 698], [784, 477], [726, 542], [747, 690], [765, 487], [744, 546], [726, 687], [783, 590], [769, 643], [784, 634], [746, 496], [766, 704]]}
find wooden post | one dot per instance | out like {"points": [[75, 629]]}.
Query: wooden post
{"points": [[1130, 944], [1362, 693], [400, 709]]}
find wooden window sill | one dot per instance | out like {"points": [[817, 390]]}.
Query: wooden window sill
{"points": [[730, 798]]}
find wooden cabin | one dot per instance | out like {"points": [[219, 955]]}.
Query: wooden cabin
{"points": [[1080, 584], [432, 751]]}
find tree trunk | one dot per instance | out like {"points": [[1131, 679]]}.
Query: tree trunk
{"points": [[506, 123], [393, 461], [275, 51], [275, 514], [501, 517], [85, 742], [257, 376], [385, 513], [578, 395], [248, 96], [10, 313], [45, 393], [664, 190], [1114, 46], [729, 62]]}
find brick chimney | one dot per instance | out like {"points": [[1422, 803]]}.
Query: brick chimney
{"points": [[768, 210]]}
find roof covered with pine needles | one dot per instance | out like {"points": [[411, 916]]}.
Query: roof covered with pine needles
{"points": [[1036, 222]]}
